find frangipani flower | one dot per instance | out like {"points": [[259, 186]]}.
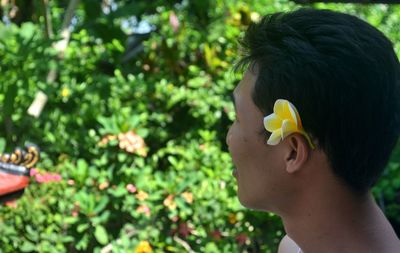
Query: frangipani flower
{"points": [[284, 121]]}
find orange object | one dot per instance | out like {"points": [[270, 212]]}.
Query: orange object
{"points": [[11, 183]]}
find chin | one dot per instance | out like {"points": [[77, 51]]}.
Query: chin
{"points": [[251, 203], [255, 203]]}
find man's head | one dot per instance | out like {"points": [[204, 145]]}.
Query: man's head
{"points": [[342, 75]]}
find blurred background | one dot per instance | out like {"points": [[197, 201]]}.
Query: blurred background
{"points": [[130, 103]]}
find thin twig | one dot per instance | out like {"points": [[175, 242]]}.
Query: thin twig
{"points": [[183, 244]]}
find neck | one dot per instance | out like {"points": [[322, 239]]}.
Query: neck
{"points": [[338, 221]]}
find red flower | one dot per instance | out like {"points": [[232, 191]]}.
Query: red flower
{"points": [[216, 234], [184, 230], [46, 177], [131, 188], [33, 172], [241, 238]]}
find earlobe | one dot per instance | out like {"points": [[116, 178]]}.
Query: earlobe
{"points": [[297, 153]]}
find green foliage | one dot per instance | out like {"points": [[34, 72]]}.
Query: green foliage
{"points": [[176, 191]]}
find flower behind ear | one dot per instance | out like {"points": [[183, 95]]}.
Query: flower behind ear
{"points": [[284, 121]]}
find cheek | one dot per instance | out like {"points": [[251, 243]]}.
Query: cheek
{"points": [[244, 152], [236, 142]]}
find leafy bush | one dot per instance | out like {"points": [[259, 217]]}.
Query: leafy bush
{"points": [[139, 138]]}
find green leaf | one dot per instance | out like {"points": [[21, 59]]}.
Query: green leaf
{"points": [[2, 145], [27, 30], [27, 246], [118, 192], [101, 235], [211, 247], [101, 205], [82, 227]]}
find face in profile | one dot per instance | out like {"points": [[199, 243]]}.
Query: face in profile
{"points": [[259, 170]]}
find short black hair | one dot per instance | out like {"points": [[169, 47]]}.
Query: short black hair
{"points": [[343, 76]]}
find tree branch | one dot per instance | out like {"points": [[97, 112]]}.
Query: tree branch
{"points": [[61, 45], [47, 19]]}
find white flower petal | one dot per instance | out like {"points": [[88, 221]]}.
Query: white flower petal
{"points": [[272, 122], [275, 137]]}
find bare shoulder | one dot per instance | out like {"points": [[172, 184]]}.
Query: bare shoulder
{"points": [[287, 245]]}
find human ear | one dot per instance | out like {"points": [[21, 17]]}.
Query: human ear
{"points": [[297, 152]]}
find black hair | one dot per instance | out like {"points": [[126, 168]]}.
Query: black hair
{"points": [[343, 76]]}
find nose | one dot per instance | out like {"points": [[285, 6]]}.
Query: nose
{"points": [[228, 137]]}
